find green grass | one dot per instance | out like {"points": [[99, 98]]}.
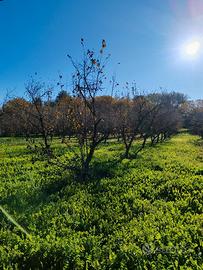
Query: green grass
{"points": [[135, 214]]}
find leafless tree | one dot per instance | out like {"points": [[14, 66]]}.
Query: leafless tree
{"points": [[41, 116], [88, 80]]}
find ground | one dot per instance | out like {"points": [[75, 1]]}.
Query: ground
{"points": [[143, 213]]}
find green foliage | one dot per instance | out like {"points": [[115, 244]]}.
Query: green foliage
{"points": [[134, 214]]}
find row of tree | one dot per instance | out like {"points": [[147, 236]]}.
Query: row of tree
{"points": [[193, 116], [90, 121], [89, 118]]}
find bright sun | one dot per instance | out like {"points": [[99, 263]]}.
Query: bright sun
{"points": [[192, 48]]}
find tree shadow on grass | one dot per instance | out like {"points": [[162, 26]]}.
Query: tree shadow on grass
{"points": [[103, 169], [198, 142]]}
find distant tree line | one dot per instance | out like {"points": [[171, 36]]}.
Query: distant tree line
{"points": [[89, 118], [193, 117]]}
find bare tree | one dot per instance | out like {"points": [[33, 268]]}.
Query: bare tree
{"points": [[63, 107], [88, 82], [41, 116], [131, 117], [195, 118]]}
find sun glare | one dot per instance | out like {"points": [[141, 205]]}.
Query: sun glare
{"points": [[192, 48]]}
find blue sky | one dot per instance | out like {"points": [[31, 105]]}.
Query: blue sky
{"points": [[144, 36]]}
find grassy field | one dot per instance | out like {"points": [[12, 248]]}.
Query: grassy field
{"points": [[144, 213]]}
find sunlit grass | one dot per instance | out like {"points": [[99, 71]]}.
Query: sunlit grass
{"points": [[143, 212]]}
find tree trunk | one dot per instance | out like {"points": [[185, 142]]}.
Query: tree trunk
{"points": [[142, 146], [86, 164], [127, 149]]}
